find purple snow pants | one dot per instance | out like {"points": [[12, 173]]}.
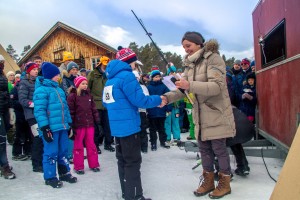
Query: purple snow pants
{"points": [[211, 148]]}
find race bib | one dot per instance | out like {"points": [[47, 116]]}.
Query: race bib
{"points": [[107, 94], [188, 111]]}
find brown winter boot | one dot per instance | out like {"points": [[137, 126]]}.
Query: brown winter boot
{"points": [[7, 173], [223, 187], [206, 185]]}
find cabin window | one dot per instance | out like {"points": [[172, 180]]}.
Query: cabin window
{"points": [[273, 45], [94, 62]]}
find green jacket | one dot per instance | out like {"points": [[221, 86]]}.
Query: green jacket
{"points": [[96, 83]]}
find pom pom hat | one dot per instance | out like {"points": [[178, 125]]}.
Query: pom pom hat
{"points": [[78, 80], [49, 70], [126, 55]]}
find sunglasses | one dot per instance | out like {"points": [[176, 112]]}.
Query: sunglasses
{"points": [[244, 64]]}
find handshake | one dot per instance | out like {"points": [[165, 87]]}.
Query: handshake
{"points": [[164, 101]]}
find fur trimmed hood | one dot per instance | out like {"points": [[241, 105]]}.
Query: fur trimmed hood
{"points": [[65, 73], [212, 45]]}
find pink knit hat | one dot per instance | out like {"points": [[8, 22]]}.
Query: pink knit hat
{"points": [[78, 80]]}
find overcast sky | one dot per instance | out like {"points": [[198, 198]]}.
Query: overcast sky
{"points": [[25, 22]]}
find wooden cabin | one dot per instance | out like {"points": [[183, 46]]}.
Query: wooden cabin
{"points": [[277, 54], [61, 37]]}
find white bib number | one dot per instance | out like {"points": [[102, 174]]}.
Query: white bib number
{"points": [[107, 95]]}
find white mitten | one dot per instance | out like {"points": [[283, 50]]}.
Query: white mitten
{"points": [[34, 130], [12, 116]]}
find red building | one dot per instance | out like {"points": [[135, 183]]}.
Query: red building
{"points": [[276, 29]]}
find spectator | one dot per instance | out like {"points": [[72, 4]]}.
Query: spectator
{"points": [[5, 169]]}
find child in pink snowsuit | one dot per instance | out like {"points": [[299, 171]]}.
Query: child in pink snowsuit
{"points": [[84, 115]]}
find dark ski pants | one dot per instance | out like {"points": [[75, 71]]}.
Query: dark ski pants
{"points": [[36, 148], [104, 123], [240, 157], [209, 149], [157, 124], [144, 134], [23, 140], [128, 153], [3, 153]]}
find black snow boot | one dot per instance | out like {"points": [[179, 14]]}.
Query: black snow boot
{"points": [[54, 182], [68, 178], [241, 160], [109, 148]]}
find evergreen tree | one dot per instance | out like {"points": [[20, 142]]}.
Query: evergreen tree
{"points": [[12, 52], [228, 62], [26, 49], [149, 56]]}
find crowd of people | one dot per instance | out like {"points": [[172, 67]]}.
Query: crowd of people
{"points": [[56, 112]]}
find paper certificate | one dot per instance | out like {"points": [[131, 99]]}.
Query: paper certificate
{"points": [[168, 82]]}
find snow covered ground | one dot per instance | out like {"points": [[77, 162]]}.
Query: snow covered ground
{"points": [[166, 175]]}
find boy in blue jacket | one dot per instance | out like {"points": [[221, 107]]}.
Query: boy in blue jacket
{"points": [[52, 114], [123, 96], [157, 116]]}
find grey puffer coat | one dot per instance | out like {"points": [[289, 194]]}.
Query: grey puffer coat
{"points": [[25, 94]]}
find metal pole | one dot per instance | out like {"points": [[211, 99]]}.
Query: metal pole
{"points": [[149, 35]]}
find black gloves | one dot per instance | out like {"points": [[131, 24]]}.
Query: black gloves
{"points": [[173, 79], [47, 134]]}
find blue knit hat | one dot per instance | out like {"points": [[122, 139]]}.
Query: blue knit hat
{"points": [[171, 69], [154, 73], [71, 65], [49, 70]]}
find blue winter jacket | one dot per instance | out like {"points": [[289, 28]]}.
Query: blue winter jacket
{"points": [[122, 96], [248, 106], [158, 88], [240, 82], [50, 105]]}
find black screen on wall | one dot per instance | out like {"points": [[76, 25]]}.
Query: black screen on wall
{"points": [[273, 46]]}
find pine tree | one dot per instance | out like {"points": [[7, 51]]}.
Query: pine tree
{"points": [[26, 49], [228, 62], [149, 56], [12, 52]]}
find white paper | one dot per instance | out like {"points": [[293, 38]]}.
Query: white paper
{"points": [[167, 81]]}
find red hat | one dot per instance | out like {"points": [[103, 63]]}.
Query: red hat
{"points": [[78, 80], [245, 61], [30, 66]]}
